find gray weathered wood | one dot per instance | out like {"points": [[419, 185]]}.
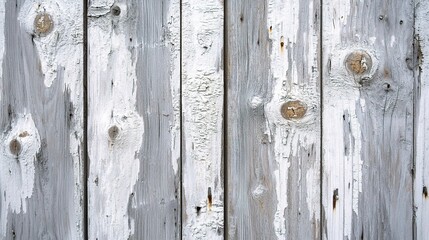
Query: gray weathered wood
{"points": [[421, 131], [202, 109], [367, 119], [273, 120], [133, 125], [41, 118]]}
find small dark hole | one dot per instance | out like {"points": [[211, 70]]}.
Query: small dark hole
{"points": [[241, 17], [425, 191], [116, 10], [401, 22], [335, 198], [198, 210]]}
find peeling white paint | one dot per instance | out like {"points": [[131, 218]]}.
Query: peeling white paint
{"points": [[114, 167], [17, 170], [291, 135], [422, 127], [202, 116], [174, 39], [342, 167], [56, 48], [2, 43]]}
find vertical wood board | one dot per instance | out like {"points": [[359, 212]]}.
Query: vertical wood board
{"points": [[421, 132], [202, 108], [367, 119], [134, 123], [273, 119], [41, 119]]}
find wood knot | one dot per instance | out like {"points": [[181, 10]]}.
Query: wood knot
{"points": [[358, 62], [15, 147], [113, 132], [115, 10], [43, 23], [293, 110]]}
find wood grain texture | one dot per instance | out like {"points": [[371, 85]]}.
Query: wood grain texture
{"points": [[273, 156], [133, 128], [41, 117], [367, 119], [421, 132], [202, 108]]}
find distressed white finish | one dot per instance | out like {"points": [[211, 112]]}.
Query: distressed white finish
{"points": [[367, 120], [42, 109], [133, 123], [273, 163], [202, 108], [17, 174], [421, 132]]}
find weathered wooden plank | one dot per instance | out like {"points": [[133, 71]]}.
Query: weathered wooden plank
{"points": [[367, 119], [421, 132], [202, 108], [134, 123], [41, 118], [273, 119]]}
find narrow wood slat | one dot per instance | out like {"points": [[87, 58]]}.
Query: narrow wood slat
{"points": [[273, 119], [367, 119], [202, 109], [41, 119], [134, 119], [421, 65]]}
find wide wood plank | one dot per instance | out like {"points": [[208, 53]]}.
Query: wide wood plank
{"points": [[202, 109], [367, 119], [41, 119], [134, 119], [273, 119], [421, 65]]}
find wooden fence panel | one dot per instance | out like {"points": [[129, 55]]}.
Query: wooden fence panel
{"points": [[367, 119], [273, 119], [134, 119], [202, 109], [41, 119], [421, 131]]}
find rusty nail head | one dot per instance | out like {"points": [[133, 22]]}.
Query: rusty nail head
{"points": [[358, 62], [113, 132], [293, 109], [43, 23], [15, 147]]}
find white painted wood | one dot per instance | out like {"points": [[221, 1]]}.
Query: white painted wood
{"points": [[202, 109], [273, 154], [421, 131], [367, 119], [41, 119], [133, 122]]}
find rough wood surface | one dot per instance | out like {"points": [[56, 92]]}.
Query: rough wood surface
{"points": [[133, 122], [202, 109], [273, 120], [41, 117], [421, 132], [367, 119]]}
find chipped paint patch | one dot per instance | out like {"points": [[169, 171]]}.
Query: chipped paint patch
{"points": [[53, 44], [202, 116], [19, 149]]}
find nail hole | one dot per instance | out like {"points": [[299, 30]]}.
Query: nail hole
{"points": [[198, 208], [425, 191], [401, 22], [381, 17], [335, 198], [116, 10], [43, 23], [209, 197], [282, 41]]}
